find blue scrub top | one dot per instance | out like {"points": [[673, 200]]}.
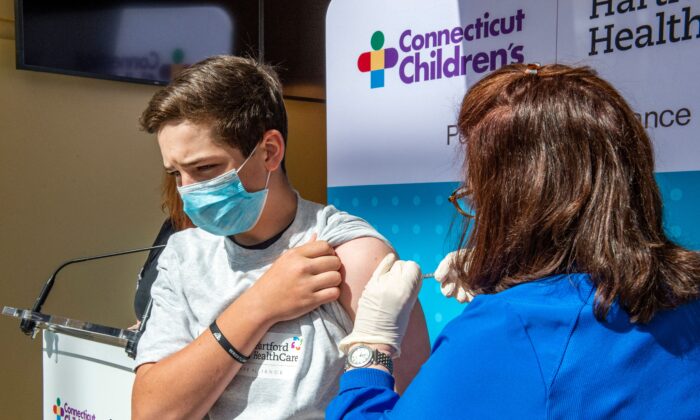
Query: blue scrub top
{"points": [[537, 351]]}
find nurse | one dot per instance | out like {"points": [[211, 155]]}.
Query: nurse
{"points": [[583, 308]]}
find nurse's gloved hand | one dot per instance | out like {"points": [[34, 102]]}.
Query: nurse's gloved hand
{"points": [[450, 284], [385, 305]]}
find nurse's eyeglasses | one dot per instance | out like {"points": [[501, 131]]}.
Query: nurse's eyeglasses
{"points": [[457, 198]]}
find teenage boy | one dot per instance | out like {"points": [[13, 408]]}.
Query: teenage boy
{"points": [[249, 307]]}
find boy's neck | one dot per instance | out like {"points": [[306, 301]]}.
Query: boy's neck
{"points": [[278, 213]]}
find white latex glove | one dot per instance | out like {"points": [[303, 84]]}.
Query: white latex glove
{"points": [[450, 283], [385, 305]]}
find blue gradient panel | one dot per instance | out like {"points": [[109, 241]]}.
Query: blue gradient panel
{"points": [[423, 226], [681, 196], [417, 220]]}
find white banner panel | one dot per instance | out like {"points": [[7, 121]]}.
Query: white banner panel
{"points": [[85, 380], [650, 51], [397, 71]]}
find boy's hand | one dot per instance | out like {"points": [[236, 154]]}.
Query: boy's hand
{"points": [[301, 280]]}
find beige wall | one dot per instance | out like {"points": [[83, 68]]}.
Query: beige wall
{"points": [[306, 152], [78, 178]]}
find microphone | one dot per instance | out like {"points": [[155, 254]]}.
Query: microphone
{"points": [[132, 345], [28, 326]]}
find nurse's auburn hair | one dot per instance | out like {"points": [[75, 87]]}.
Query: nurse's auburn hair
{"points": [[561, 178], [240, 97], [171, 204]]}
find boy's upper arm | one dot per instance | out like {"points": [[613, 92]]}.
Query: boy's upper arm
{"points": [[359, 258]]}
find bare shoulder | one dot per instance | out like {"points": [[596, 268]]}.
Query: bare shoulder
{"points": [[143, 368], [359, 258]]}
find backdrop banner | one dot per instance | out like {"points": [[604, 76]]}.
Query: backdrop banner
{"points": [[397, 70]]}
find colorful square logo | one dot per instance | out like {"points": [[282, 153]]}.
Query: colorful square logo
{"points": [[377, 60], [58, 410], [296, 343]]}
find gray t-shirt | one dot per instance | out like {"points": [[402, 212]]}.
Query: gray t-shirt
{"points": [[294, 370]]}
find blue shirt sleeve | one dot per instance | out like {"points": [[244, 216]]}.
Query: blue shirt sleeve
{"points": [[364, 394], [483, 366], [538, 351]]}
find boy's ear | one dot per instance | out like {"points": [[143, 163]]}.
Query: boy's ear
{"points": [[273, 145]]}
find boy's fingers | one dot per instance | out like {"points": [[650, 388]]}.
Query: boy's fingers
{"points": [[326, 295], [316, 249], [325, 263], [326, 280]]}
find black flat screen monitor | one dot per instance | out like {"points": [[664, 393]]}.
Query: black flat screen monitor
{"points": [[136, 41]]}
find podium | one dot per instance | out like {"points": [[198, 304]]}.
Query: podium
{"points": [[87, 373]]}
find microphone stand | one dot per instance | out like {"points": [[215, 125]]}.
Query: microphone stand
{"points": [[28, 327]]}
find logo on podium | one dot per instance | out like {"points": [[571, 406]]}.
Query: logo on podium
{"points": [[58, 410], [66, 412]]}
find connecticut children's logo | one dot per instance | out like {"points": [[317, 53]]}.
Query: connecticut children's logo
{"points": [[66, 412], [375, 62], [296, 343], [441, 52], [58, 410]]}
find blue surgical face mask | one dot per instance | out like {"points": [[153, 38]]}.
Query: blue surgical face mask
{"points": [[221, 205]]}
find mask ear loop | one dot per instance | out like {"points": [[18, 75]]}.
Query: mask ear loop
{"points": [[267, 182], [268, 179], [247, 159]]}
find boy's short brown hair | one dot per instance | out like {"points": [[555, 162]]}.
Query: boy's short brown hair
{"points": [[239, 97]]}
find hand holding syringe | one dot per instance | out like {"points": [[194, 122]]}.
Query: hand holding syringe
{"points": [[450, 283]]}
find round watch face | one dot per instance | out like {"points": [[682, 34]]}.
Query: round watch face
{"points": [[360, 356]]}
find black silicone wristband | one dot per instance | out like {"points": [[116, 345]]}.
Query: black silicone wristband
{"points": [[219, 337]]}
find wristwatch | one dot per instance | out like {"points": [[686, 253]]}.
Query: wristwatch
{"points": [[363, 356]]}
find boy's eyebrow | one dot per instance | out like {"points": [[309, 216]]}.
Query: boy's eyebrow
{"points": [[193, 162]]}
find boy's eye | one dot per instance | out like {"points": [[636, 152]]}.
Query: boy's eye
{"points": [[205, 167]]}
